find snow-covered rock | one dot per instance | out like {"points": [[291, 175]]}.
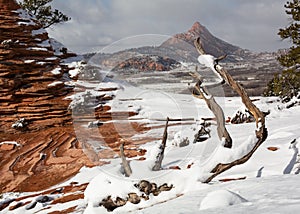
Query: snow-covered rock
{"points": [[221, 198]]}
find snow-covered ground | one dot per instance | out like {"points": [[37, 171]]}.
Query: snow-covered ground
{"points": [[270, 185], [270, 181]]}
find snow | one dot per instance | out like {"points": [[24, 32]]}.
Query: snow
{"points": [[270, 186], [75, 68], [56, 71], [221, 198], [209, 61], [154, 105], [55, 83], [25, 17], [10, 142], [74, 72], [29, 61], [38, 32], [51, 58], [57, 46], [45, 44], [37, 49]]}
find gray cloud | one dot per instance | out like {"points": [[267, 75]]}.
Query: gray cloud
{"points": [[95, 23]]}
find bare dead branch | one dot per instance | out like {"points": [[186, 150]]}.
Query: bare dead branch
{"points": [[201, 92], [261, 131], [160, 155], [125, 163]]}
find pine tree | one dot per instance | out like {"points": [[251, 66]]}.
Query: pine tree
{"points": [[287, 84], [43, 12]]}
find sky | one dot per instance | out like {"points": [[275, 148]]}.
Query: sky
{"points": [[249, 24]]}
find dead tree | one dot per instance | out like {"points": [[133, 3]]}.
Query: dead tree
{"points": [[160, 155], [125, 163], [261, 131]]}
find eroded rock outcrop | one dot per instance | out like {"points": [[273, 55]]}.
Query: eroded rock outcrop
{"points": [[31, 77], [33, 110]]}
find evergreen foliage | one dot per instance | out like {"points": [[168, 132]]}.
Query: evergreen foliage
{"points": [[287, 84], [44, 12]]}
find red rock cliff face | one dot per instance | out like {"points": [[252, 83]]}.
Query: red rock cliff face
{"points": [[27, 62], [33, 111]]}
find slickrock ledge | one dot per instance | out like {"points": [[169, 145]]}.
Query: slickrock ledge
{"points": [[27, 70], [33, 109]]}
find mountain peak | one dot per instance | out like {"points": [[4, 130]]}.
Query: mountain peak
{"points": [[196, 27], [211, 44]]}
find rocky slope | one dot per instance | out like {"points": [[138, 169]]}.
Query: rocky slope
{"points": [[147, 63]]}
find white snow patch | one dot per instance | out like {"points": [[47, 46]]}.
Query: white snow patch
{"points": [[41, 63], [56, 71], [221, 198], [51, 58], [45, 44], [37, 49], [55, 83], [29, 61], [207, 60], [10, 142]]}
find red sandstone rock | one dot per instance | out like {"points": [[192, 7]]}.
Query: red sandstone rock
{"points": [[7, 147], [272, 148]]}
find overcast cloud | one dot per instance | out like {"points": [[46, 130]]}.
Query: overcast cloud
{"points": [[250, 24]]}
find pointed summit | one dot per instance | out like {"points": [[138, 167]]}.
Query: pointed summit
{"points": [[211, 44], [197, 28]]}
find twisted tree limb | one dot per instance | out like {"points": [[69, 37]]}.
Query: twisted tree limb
{"points": [[261, 131], [201, 92]]}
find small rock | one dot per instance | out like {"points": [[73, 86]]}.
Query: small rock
{"points": [[18, 205], [108, 203], [120, 202], [272, 148], [175, 167], [6, 203], [31, 205], [144, 186], [134, 198], [165, 187], [44, 199]]}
